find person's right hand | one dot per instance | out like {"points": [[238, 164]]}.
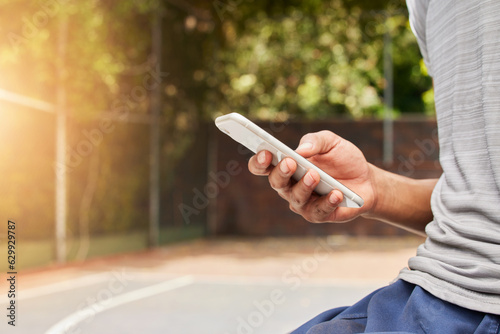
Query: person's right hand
{"points": [[334, 155]]}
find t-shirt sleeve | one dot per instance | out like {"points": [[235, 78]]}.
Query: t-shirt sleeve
{"points": [[418, 18]]}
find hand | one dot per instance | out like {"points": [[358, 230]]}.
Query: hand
{"points": [[334, 155]]}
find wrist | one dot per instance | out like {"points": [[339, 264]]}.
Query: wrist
{"points": [[400, 201], [372, 207]]}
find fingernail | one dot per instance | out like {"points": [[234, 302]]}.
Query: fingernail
{"points": [[261, 157], [333, 199], [305, 146], [284, 167], [308, 180]]}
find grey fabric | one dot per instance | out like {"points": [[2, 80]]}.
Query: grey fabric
{"points": [[460, 260]]}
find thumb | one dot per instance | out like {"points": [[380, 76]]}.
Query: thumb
{"points": [[317, 143]]}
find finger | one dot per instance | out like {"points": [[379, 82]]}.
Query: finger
{"points": [[301, 192], [322, 209], [317, 143], [260, 164], [279, 178], [335, 197]]}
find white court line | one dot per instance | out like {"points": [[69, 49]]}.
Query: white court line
{"points": [[69, 323]]}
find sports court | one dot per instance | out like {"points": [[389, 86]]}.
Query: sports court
{"points": [[221, 286]]}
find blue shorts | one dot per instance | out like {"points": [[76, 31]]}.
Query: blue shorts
{"points": [[402, 308]]}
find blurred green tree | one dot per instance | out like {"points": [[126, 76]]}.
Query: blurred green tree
{"points": [[268, 59], [314, 60], [108, 55]]}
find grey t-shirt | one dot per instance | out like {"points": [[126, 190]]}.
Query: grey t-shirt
{"points": [[460, 260]]}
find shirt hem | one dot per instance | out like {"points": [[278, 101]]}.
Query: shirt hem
{"points": [[451, 293]]}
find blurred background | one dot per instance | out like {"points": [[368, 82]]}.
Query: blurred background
{"points": [[107, 141]]}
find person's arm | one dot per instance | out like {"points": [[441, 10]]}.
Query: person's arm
{"points": [[401, 201], [388, 197]]}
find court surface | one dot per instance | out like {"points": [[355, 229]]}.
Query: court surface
{"points": [[223, 287]]}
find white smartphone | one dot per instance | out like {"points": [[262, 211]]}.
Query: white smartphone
{"points": [[256, 139]]}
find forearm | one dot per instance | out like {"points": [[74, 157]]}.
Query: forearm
{"points": [[401, 201]]}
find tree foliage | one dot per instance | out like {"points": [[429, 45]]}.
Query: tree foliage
{"points": [[314, 60], [107, 55], [267, 59]]}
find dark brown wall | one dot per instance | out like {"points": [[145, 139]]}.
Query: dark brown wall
{"points": [[246, 205]]}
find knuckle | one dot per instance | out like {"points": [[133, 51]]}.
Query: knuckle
{"points": [[310, 218], [319, 212], [274, 184], [254, 169], [308, 136], [293, 209], [296, 201], [324, 133], [282, 195]]}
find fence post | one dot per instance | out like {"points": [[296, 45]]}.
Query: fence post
{"points": [[388, 98], [61, 172], [154, 178]]}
